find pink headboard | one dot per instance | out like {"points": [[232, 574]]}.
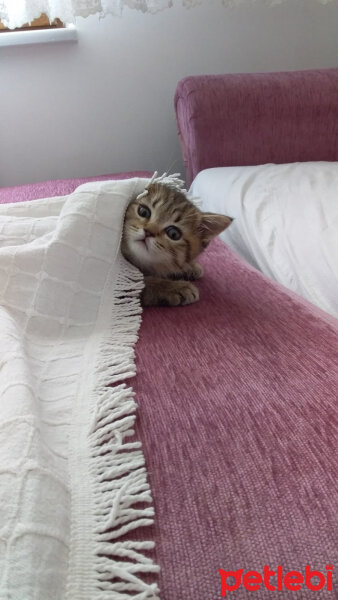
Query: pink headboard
{"points": [[250, 119]]}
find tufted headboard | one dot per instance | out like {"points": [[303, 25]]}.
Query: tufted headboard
{"points": [[249, 119]]}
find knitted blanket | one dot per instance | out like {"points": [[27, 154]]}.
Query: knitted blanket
{"points": [[73, 484]]}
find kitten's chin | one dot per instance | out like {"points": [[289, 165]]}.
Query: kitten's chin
{"points": [[140, 255]]}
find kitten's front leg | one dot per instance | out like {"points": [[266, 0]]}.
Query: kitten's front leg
{"points": [[190, 272], [165, 292], [194, 271]]}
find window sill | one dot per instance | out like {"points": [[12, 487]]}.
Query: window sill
{"points": [[40, 36]]}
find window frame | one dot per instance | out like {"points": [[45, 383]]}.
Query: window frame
{"points": [[41, 22], [40, 31]]}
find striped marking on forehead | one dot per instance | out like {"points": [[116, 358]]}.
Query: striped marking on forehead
{"points": [[169, 206], [156, 201], [177, 215], [162, 197]]}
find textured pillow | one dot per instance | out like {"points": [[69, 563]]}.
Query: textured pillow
{"points": [[286, 222]]}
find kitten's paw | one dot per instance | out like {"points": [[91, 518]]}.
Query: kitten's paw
{"points": [[165, 292], [180, 293]]}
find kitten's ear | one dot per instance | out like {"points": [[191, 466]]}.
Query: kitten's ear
{"points": [[213, 224]]}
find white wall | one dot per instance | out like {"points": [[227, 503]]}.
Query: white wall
{"points": [[105, 104]]}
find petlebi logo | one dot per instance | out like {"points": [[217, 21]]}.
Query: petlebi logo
{"points": [[275, 579]]}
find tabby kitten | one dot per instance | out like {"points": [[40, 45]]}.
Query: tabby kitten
{"points": [[163, 234]]}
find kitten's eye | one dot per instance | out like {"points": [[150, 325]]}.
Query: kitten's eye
{"points": [[144, 211], [173, 233]]}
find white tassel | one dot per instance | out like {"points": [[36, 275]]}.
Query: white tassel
{"points": [[116, 465], [172, 181]]}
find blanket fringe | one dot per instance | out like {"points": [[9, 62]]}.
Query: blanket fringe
{"points": [[121, 490]]}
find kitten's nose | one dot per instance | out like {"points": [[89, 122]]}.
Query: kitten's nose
{"points": [[148, 233]]}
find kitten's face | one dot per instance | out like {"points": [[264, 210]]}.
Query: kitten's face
{"points": [[163, 231]]}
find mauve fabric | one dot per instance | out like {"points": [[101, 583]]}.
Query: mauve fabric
{"points": [[257, 118], [237, 414], [238, 417], [57, 187]]}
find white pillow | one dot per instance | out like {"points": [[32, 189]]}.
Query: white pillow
{"points": [[286, 222]]}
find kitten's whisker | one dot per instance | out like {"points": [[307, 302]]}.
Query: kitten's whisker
{"points": [[171, 166]]}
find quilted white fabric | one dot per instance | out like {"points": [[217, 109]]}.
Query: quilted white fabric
{"points": [[69, 476]]}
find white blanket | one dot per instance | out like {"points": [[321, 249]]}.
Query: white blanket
{"points": [[70, 471]]}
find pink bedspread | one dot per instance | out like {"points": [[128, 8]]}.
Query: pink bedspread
{"points": [[58, 187], [237, 414], [238, 417]]}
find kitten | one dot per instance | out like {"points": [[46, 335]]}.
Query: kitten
{"points": [[163, 234]]}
